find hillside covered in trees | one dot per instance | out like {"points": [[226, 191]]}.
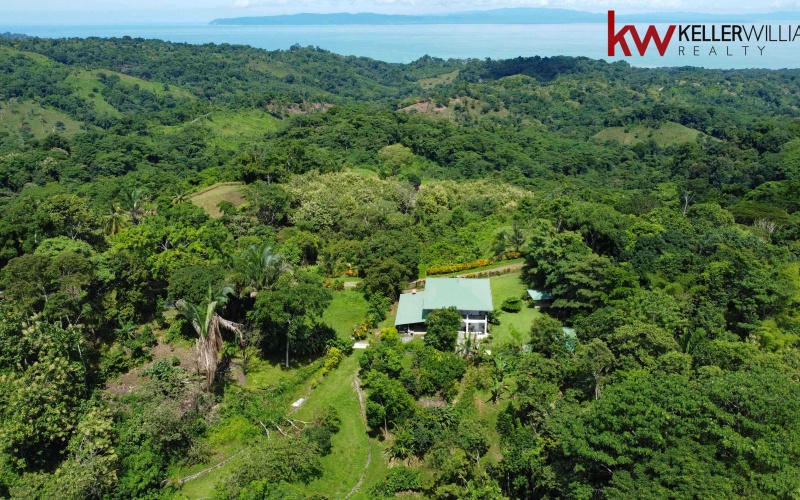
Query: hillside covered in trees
{"points": [[192, 239]]}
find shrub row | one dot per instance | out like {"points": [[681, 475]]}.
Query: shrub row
{"points": [[489, 274], [454, 268]]}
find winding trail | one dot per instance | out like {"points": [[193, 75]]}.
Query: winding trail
{"points": [[357, 387], [203, 472]]}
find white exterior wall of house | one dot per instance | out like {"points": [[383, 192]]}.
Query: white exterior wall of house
{"points": [[472, 322]]}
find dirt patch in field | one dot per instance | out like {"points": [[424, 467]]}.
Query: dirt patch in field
{"points": [[127, 382]]}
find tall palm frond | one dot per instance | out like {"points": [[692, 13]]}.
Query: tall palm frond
{"points": [[329, 262], [208, 325], [500, 243], [180, 197], [517, 238], [261, 267], [115, 220], [134, 202]]}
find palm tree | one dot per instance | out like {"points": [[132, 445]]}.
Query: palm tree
{"points": [[469, 348], [500, 244], [115, 220], [499, 387], [261, 268], [126, 330], [208, 325], [180, 197], [135, 201], [329, 262], [517, 237]]}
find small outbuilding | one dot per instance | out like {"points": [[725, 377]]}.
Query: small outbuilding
{"points": [[541, 298]]}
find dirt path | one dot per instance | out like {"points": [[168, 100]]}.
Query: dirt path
{"points": [[357, 387], [203, 472]]}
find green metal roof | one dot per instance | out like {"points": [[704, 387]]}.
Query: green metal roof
{"points": [[537, 295], [463, 293], [409, 309]]}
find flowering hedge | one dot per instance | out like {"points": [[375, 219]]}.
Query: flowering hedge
{"points": [[454, 268], [489, 274]]}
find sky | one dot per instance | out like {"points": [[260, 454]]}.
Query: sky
{"points": [[171, 11]]}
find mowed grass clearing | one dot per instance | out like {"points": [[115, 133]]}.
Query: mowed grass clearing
{"points": [[669, 134], [341, 469], [210, 197], [505, 287], [347, 309]]}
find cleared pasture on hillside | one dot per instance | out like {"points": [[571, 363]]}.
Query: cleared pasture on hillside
{"points": [[210, 197]]}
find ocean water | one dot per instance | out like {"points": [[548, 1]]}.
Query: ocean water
{"points": [[407, 43]]}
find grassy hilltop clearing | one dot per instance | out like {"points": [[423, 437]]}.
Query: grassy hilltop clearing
{"points": [[203, 250]]}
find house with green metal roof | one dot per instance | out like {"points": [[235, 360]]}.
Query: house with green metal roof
{"points": [[472, 298]]}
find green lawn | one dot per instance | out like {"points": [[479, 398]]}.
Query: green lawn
{"points": [[230, 129], [504, 287], [347, 309], [351, 445], [84, 83], [391, 315], [263, 373], [376, 472]]}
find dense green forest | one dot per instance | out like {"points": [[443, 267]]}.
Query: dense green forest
{"points": [[193, 237]]}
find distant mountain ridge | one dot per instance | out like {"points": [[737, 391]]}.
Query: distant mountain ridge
{"points": [[520, 15]]}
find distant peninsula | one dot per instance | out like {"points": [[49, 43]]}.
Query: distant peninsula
{"points": [[520, 15]]}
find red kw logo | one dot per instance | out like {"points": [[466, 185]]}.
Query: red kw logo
{"points": [[641, 45]]}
